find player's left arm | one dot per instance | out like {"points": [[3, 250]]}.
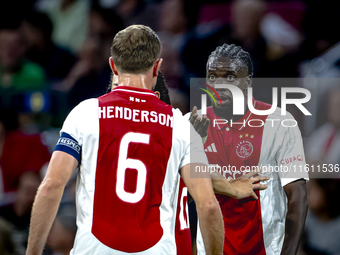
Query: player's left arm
{"points": [[296, 216], [47, 200]]}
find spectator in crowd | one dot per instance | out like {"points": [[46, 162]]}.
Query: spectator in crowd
{"points": [[33, 45], [63, 232], [173, 18], [7, 246], [139, 12], [37, 29], [317, 43], [18, 152], [15, 72], [246, 16], [103, 25], [19, 212], [323, 146], [90, 75], [173, 27], [69, 19], [323, 219]]}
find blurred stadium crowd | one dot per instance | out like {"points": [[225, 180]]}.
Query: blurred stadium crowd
{"points": [[54, 54]]}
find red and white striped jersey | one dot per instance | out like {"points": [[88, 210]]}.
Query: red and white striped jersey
{"points": [[182, 227], [131, 146], [251, 226]]}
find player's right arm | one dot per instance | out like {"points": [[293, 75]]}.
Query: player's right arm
{"points": [[208, 209], [64, 160], [239, 188], [47, 200], [200, 186]]}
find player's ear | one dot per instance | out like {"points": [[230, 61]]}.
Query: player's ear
{"points": [[157, 66], [113, 66], [158, 94]]}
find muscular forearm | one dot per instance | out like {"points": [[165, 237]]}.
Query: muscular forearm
{"points": [[295, 219], [239, 188], [44, 210], [211, 224], [222, 186]]}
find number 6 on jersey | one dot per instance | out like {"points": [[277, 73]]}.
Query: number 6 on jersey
{"points": [[124, 163]]}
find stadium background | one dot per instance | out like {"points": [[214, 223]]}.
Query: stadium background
{"points": [[54, 54]]}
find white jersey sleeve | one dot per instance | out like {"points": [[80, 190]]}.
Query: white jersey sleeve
{"points": [[291, 154], [75, 121], [187, 117], [192, 143], [282, 148], [72, 133]]}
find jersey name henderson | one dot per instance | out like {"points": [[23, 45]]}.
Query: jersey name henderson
{"points": [[130, 146], [135, 115]]}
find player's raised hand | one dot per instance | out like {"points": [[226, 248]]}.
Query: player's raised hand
{"points": [[201, 125]]}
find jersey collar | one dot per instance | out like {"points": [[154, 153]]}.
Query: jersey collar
{"points": [[134, 90], [237, 126]]}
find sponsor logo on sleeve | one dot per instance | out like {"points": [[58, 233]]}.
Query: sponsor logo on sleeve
{"points": [[69, 143], [291, 159]]}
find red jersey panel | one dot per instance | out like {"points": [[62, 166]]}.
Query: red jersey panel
{"points": [[182, 228], [238, 146], [131, 146], [131, 167]]}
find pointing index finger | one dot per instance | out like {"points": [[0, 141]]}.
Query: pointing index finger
{"points": [[194, 110]]}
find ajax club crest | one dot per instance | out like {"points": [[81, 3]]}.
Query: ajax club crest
{"points": [[244, 149]]}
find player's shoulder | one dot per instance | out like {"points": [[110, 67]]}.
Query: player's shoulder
{"points": [[84, 110], [277, 114], [82, 117], [259, 105], [87, 104], [277, 120], [160, 104], [282, 124], [182, 125], [177, 112], [179, 117], [187, 116]]}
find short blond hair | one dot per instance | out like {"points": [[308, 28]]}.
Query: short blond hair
{"points": [[135, 49]]}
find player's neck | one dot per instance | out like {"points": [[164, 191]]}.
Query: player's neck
{"points": [[144, 81]]}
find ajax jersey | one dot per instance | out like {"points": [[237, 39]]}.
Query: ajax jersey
{"points": [[255, 226], [130, 147], [182, 227]]}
